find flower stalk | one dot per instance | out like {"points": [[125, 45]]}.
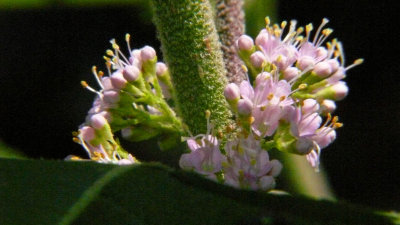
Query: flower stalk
{"points": [[193, 54]]}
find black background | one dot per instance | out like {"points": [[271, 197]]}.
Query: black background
{"points": [[44, 53]]}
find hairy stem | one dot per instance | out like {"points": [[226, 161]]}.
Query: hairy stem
{"points": [[192, 51], [229, 21]]}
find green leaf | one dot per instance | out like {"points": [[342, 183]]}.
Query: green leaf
{"points": [[58, 192]]}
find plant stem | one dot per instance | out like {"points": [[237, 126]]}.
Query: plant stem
{"points": [[229, 20], [192, 51]]}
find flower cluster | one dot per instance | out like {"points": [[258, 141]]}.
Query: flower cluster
{"points": [[294, 82], [133, 99]]}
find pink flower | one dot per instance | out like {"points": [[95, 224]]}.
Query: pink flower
{"points": [[248, 166], [269, 97], [205, 156]]}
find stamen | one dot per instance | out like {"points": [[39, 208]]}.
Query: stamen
{"points": [[267, 21], [355, 63], [85, 85], [324, 22], [128, 40], [97, 76]]}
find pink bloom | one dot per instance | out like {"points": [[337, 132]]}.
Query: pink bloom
{"points": [[205, 156], [248, 166]]}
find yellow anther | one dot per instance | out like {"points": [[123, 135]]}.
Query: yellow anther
{"points": [[336, 53], [251, 120], [127, 37], [84, 84], [328, 117], [270, 96], [325, 20], [267, 21], [94, 69], [327, 31], [106, 58], [282, 98], [108, 64], [358, 61], [335, 119], [244, 68], [283, 24], [299, 38], [100, 74], [302, 86], [277, 33], [253, 162], [109, 52], [262, 108], [300, 30], [275, 26], [76, 140], [75, 133], [208, 114], [338, 125], [309, 28], [328, 45], [229, 128], [115, 46]]}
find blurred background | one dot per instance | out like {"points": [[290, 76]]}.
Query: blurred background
{"points": [[48, 47]]}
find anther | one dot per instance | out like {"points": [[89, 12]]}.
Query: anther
{"points": [[282, 98], [267, 21], [109, 52], [244, 68], [270, 96]]}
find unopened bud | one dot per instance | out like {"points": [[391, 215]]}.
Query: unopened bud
{"points": [[257, 59], [306, 62], [87, 133], [118, 80], [290, 73], [97, 121], [328, 106], [161, 68], [340, 90], [323, 69], [147, 53], [111, 96], [245, 43], [232, 92], [245, 107], [131, 73]]}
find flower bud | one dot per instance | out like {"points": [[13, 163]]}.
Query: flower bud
{"points": [[97, 121], [131, 73], [87, 133], [245, 107], [322, 53], [118, 80], [328, 106], [340, 90], [111, 96], [323, 69], [305, 62], [334, 63], [106, 82], [232, 92], [147, 53], [245, 43], [290, 73], [257, 59], [161, 68]]}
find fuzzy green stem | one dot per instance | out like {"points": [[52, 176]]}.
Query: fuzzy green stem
{"points": [[192, 51]]}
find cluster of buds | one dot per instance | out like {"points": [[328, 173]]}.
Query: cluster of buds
{"points": [[293, 83], [134, 100]]}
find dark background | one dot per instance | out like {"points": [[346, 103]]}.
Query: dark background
{"points": [[45, 53]]}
